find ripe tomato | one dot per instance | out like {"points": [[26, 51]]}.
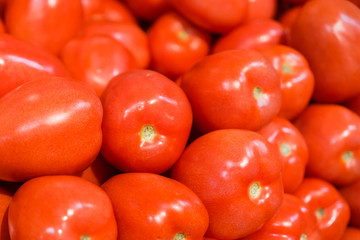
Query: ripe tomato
{"points": [[293, 221], [351, 193], [296, 77], [147, 122], [351, 233], [287, 19], [237, 175], [261, 9], [148, 10], [176, 44], [254, 34], [332, 133], [232, 89], [5, 199], [151, 206], [96, 59], [48, 126], [47, 23], [89, 8], [292, 148], [328, 206], [21, 61], [334, 61], [61, 207], [113, 10]]}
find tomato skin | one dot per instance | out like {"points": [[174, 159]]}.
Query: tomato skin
{"points": [[169, 207], [47, 23], [261, 9], [296, 79], [255, 34], [58, 132], [112, 10], [67, 207], [5, 199], [223, 168], [292, 148], [334, 215], [147, 122], [351, 193], [351, 233], [176, 44], [22, 62], [287, 19], [334, 61], [332, 133], [148, 10], [222, 89]]}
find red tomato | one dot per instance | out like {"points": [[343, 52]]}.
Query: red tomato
{"points": [[261, 9], [232, 89], [113, 10], [351, 233], [130, 35], [237, 175], [292, 149], [21, 61], [90, 7], [332, 133], [328, 206], [254, 34], [293, 221], [334, 60], [148, 10], [5, 199], [287, 19], [147, 122], [176, 44], [61, 207], [150, 206], [48, 126], [47, 23], [213, 15], [296, 77], [351, 193]]}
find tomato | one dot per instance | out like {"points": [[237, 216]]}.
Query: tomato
{"points": [[353, 104], [287, 19], [293, 221], [49, 24], [254, 34], [261, 9], [292, 148], [151, 206], [130, 35], [334, 61], [148, 10], [176, 44], [113, 10], [61, 207], [351, 193], [49, 126], [213, 15], [232, 89], [296, 79], [90, 7], [5, 199], [351, 233], [147, 122], [96, 59], [332, 133], [237, 175], [328, 206]]}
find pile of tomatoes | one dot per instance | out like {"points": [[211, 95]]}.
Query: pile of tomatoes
{"points": [[179, 119]]}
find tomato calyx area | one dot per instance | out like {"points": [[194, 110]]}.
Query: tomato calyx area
{"points": [[254, 190], [180, 236], [85, 237], [147, 132]]}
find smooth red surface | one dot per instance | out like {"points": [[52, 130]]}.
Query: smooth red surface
{"points": [[220, 167], [112, 10], [351, 233], [150, 206], [351, 193], [287, 19], [61, 207], [261, 9], [48, 126], [148, 10]]}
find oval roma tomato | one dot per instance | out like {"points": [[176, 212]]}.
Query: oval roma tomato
{"points": [[237, 175], [21, 61], [328, 206], [176, 44], [334, 60], [351, 233], [213, 15], [296, 77], [95, 60], [292, 149], [61, 207], [332, 133], [232, 89], [5, 199], [49, 126], [147, 122], [151, 206], [47, 23], [351, 193], [293, 221]]}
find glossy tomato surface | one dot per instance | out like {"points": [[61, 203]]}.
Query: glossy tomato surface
{"points": [[61, 207], [232, 89], [49, 126], [261, 9], [351, 193], [112, 10], [147, 122], [150, 206], [148, 10], [237, 175]]}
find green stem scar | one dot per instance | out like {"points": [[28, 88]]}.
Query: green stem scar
{"points": [[180, 236], [320, 212], [254, 190], [257, 93], [303, 236], [285, 149], [286, 68], [347, 156], [183, 35], [85, 237], [148, 132]]}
